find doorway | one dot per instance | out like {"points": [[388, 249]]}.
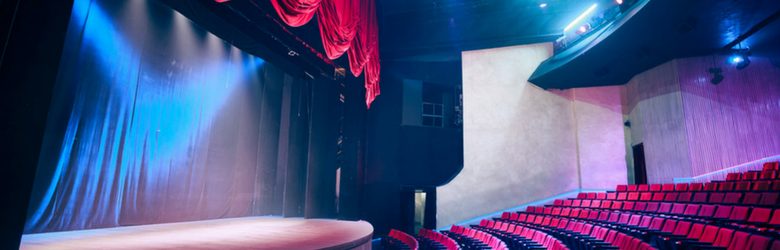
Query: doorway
{"points": [[640, 170]]}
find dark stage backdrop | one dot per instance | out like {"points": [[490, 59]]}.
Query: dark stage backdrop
{"points": [[156, 120]]}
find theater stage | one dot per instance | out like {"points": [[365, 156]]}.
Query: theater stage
{"points": [[235, 233]]}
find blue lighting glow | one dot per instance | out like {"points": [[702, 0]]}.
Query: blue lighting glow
{"points": [[581, 17], [735, 59], [135, 103]]}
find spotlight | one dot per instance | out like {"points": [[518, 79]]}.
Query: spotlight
{"points": [[543, 5], [740, 58], [717, 75], [619, 2], [581, 17], [583, 29], [221, 1]]}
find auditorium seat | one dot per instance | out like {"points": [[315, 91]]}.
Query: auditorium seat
{"points": [[408, 242]]}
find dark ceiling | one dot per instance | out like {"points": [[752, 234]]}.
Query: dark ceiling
{"points": [[438, 30], [423, 39]]}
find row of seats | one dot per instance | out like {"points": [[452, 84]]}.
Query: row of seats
{"points": [[761, 219], [399, 240], [519, 237], [470, 238], [745, 198], [433, 240], [581, 235], [662, 232], [757, 185]]}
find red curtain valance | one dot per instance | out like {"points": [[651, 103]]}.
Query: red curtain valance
{"points": [[345, 26]]}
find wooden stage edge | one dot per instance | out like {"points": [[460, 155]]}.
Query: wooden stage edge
{"points": [[234, 233]]}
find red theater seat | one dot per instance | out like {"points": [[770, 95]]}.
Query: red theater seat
{"points": [[732, 198], [631, 188], [681, 187], [715, 198], [762, 185], [655, 187], [726, 186], [695, 187], [751, 198], [700, 197], [739, 213], [621, 188], [771, 166], [760, 242], [685, 197], [742, 186], [671, 197], [658, 196], [769, 199], [739, 240], [707, 211], [668, 187], [710, 186], [722, 212], [760, 215], [732, 176]]}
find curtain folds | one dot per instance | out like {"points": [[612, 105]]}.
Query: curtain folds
{"points": [[346, 26]]}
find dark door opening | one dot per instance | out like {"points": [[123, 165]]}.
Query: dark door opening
{"points": [[640, 171]]}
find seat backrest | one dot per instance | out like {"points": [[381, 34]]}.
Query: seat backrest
{"points": [[732, 198], [658, 196], [646, 219], [732, 176], [677, 208], [622, 196], [671, 196], [667, 187], [651, 207], [696, 230], [601, 196], [742, 186], [684, 197], [655, 187], [759, 242], [722, 212], [637, 206], [726, 186], [700, 197], [631, 188], [621, 188], [664, 208], [682, 228], [760, 215], [775, 220], [769, 198], [681, 187], [724, 237], [710, 186], [645, 196], [656, 223], [691, 209], [762, 185], [709, 234], [739, 241], [695, 186], [715, 198], [739, 213], [633, 196], [751, 198], [669, 226], [611, 196], [628, 205], [706, 210]]}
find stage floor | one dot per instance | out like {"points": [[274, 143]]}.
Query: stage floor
{"points": [[235, 233]]}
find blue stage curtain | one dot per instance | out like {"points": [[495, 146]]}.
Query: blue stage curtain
{"points": [[153, 120]]}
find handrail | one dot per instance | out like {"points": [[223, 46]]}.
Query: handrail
{"points": [[755, 165]]}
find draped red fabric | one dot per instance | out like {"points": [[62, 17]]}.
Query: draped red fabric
{"points": [[346, 26], [296, 13]]}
